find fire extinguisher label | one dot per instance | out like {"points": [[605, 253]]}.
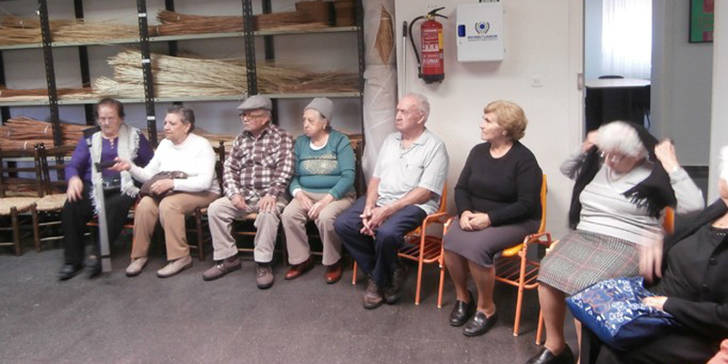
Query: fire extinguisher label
{"points": [[431, 41]]}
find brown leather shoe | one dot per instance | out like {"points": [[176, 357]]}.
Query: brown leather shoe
{"points": [[333, 273], [298, 269], [373, 296]]}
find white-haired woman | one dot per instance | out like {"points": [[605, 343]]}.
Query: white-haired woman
{"points": [[322, 188], [692, 288], [624, 179]]}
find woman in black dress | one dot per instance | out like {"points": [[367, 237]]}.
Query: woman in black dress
{"points": [[497, 198]]}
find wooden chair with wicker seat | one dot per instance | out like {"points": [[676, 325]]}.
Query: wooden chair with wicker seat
{"points": [[47, 227], [357, 145], [20, 189], [199, 227], [424, 248]]}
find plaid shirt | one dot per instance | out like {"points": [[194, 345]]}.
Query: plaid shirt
{"points": [[259, 166]]}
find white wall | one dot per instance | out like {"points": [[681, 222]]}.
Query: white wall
{"points": [[719, 124], [24, 68], [543, 40], [681, 82]]}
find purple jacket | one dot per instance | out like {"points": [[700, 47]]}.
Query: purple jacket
{"points": [[80, 164]]}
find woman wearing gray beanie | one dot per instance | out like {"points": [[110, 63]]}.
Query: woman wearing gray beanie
{"points": [[322, 188]]}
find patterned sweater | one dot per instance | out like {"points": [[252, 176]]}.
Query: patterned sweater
{"points": [[329, 169]]}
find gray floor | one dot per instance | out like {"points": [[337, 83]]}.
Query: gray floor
{"points": [[115, 319]]}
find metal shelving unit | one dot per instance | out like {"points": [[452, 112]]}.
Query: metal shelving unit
{"points": [[139, 100], [248, 36], [168, 38]]}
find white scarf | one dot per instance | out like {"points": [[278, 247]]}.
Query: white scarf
{"points": [[127, 148]]}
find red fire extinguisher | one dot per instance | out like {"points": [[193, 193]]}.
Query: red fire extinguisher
{"points": [[431, 68]]}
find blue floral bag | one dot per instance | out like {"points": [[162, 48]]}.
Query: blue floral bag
{"points": [[614, 311]]}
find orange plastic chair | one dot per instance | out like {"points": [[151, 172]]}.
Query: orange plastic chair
{"points": [[514, 268], [424, 248]]}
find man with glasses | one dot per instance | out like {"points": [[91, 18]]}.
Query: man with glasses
{"points": [[257, 172]]}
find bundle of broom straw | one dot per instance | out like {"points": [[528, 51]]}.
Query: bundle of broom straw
{"points": [[178, 23], [173, 76], [23, 133], [187, 76], [34, 94], [17, 30], [82, 31]]}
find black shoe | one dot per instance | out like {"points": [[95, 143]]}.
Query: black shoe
{"points": [[545, 356], [479, 324], [68, 271], [462, 311], [93, 267], [392, 292], [93, 271]]}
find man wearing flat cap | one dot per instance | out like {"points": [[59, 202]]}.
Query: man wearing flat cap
{"points": [[257, 172]]}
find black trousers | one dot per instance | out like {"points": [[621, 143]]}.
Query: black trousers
{"points": [[673, 347], [76, 214], [377, 257]]}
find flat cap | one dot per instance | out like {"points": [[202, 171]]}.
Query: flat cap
{"points": [[256, 102], [323, 105]]}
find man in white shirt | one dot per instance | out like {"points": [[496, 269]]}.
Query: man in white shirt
{"points": [[406, 185]]}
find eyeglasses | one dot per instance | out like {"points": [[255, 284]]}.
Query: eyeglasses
{"points": [[252, 116], [611, 157]]}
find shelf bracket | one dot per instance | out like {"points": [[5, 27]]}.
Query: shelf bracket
{"points": [[147, 71], [249, 39], [45, 31], [83, 62], [4, 110]]}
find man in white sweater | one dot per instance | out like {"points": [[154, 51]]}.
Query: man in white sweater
{"points": [[170, 199]]}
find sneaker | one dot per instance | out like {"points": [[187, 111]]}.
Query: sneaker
{"points": [[264, 275], [372, 297], [392, 292], [136, 266], [175, 267], [222, 268]]}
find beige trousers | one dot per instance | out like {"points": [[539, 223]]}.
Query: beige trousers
{"points": [[294, 219], [171, 213], [221, 214]]}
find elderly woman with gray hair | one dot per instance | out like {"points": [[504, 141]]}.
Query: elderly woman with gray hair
{"points": [[322, 187], [180, 178], [624, 179], [690, 286]]}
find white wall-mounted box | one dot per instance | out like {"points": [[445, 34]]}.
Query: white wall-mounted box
{"points": [[479, 32]]}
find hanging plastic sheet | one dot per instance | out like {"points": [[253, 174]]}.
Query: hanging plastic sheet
{"points": [[380, 78]]}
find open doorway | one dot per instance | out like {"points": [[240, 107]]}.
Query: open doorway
{"points": [[617, 61], [676, 92]]}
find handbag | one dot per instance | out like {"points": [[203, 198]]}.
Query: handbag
{"points": [[614, 311], [146, 189]]}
